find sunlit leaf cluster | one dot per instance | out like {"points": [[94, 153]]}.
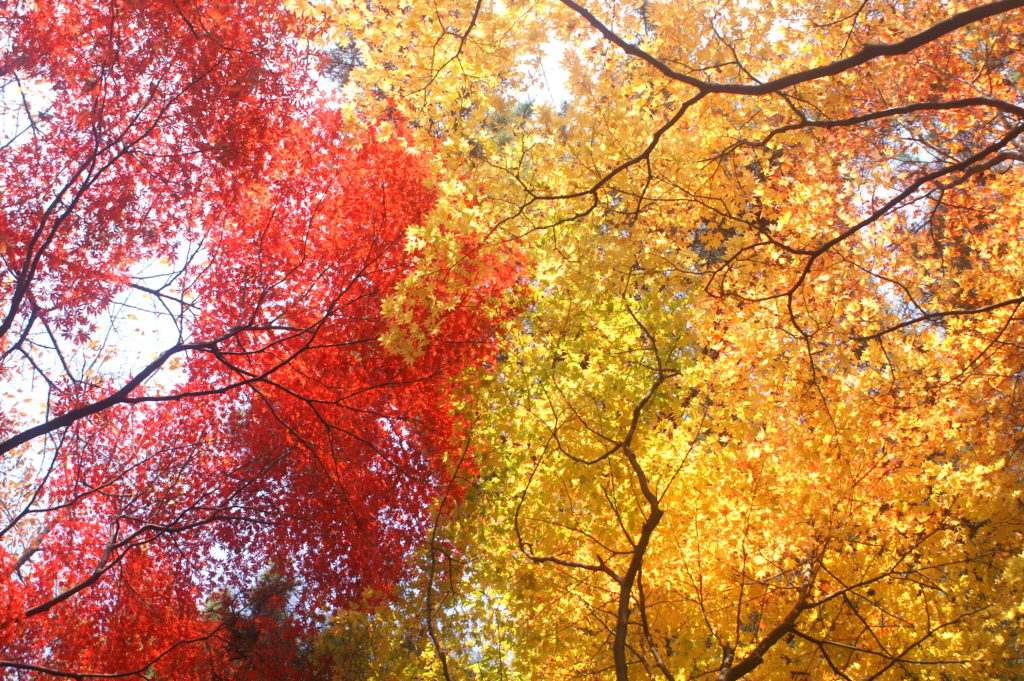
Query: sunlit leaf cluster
{"points": [[697, 355]]}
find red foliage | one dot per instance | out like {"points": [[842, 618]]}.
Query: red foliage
{"points": [[292, 439]]}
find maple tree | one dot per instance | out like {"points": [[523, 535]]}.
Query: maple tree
{"points": [[758, 417], [761, 418], [212, 383]]}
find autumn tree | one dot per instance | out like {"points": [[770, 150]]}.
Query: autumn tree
{"points": [[761, 418], [210, 369]]}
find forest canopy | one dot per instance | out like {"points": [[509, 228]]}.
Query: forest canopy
{"points": [[357, 340]]}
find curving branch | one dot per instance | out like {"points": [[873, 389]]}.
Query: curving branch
{"points": [[867, 53]]}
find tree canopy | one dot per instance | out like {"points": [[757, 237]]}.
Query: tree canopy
{"points": [[178, 167], [707, 365]]}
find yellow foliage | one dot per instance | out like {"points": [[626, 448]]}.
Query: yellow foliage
{"points": [[761, 415]]}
